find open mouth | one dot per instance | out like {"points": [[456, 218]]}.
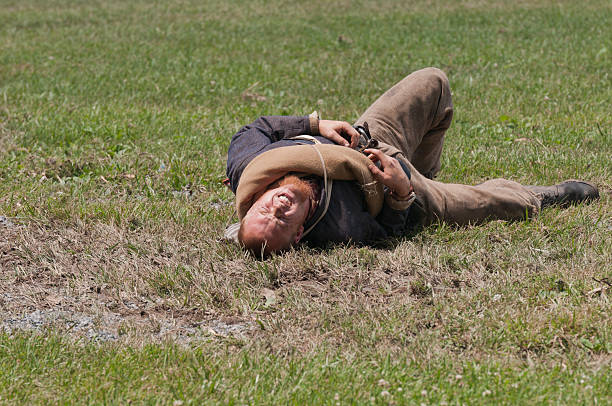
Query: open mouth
{"points": [[285, 199]]}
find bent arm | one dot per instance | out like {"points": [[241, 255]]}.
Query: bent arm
{"points": [[398, 191], [253, 138]]}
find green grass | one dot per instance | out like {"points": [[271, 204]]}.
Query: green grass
{"points": [[165, 375], [115, 118]]}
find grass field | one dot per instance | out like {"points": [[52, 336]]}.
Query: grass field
{"points": [[115, 286]]}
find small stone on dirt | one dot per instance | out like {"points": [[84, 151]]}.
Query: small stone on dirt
{"points": [[6, 222]]}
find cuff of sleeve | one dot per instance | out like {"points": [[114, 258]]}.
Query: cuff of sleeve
{"points": [[314, 123], [396, 204]]}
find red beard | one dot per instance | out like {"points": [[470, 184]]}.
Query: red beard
{"points": [[304, 190]]}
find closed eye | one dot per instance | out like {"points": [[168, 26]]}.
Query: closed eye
{"points": [[281, 218]]}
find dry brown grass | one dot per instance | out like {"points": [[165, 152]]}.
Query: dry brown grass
{"points": [[141, 283]]}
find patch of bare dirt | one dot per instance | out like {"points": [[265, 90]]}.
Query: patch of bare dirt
{"points": [[75, 280]]}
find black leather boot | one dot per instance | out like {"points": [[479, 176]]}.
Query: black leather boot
{"points": [[565, 193]]}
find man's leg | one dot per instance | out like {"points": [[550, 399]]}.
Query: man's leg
{"points": [[412, 118]]}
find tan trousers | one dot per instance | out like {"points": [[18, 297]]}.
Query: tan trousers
{"points": [[411, 118]]}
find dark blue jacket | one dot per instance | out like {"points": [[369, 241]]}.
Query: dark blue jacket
{"points": [[347, 218]]}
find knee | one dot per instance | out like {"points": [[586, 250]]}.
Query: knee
{"points": [[436, 80], [435, 76], [433, 71]]}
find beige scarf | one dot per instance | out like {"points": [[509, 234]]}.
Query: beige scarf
{"points": [[341, 163]]}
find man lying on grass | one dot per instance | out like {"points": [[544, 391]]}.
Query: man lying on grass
{"points": [[304, 179]]}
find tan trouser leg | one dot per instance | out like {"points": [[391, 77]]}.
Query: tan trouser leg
{"points": [[412, 118]]}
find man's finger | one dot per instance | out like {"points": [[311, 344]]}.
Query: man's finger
{"points": [[338, 139], [382, 157], [378, 174], [352, 133], [373, 158]]}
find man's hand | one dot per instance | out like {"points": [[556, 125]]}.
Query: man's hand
{"points": [[331, 130], [390, 173]]}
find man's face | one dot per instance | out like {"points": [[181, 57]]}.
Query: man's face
{"points": [[276, 219]]}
